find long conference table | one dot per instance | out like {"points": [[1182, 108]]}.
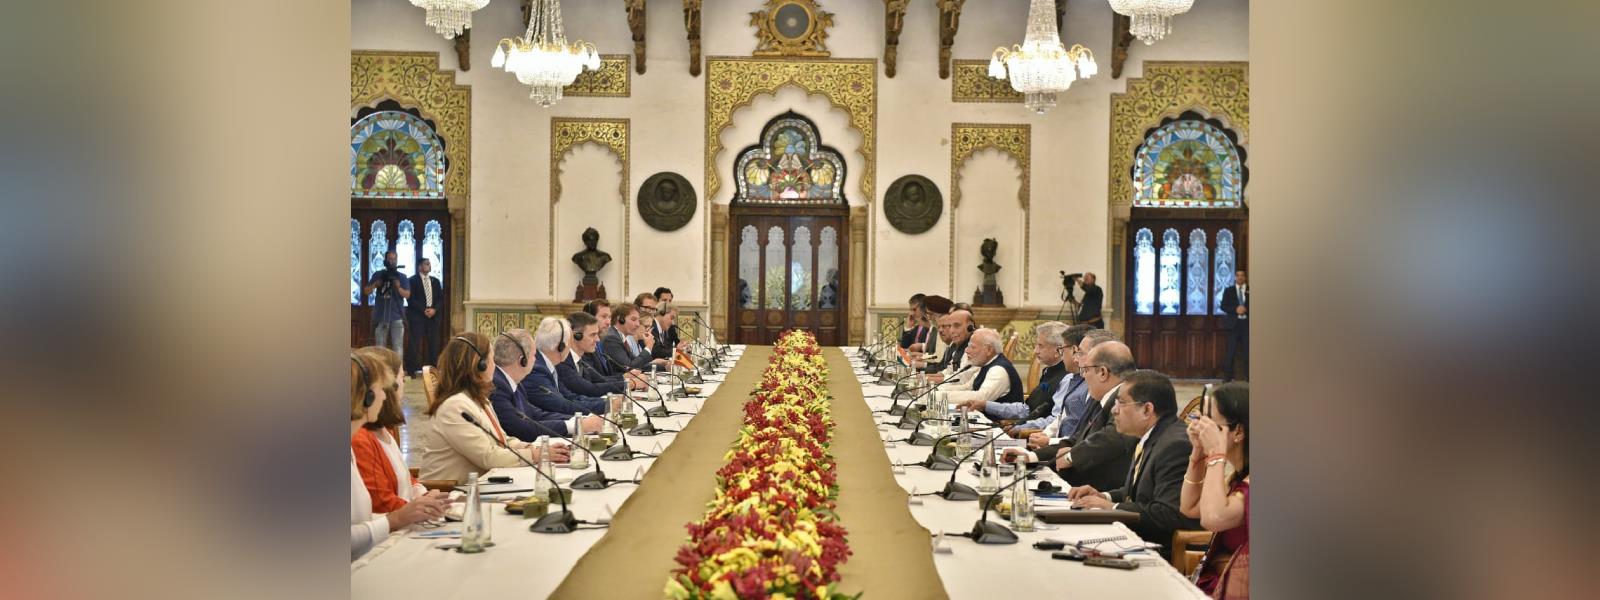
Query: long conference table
{"points": [[892, 534]]}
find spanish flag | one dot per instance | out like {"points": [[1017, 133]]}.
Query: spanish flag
{"points": [[682, 360]]}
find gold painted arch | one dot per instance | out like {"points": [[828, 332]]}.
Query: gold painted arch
{"points": [[1218, 89], [1016, 142], [414, 80], [569, 132]]}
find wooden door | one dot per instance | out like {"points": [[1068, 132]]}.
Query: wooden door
{"points": [[412, 234], [1178, 262], [789, 270]]}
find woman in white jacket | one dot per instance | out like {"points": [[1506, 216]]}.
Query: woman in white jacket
{"points": [[368, 380], [452, 447]]}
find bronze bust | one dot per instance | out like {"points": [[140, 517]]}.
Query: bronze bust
{"points": [[913, 204], [591, 260], [989, 294], [666, 201]]}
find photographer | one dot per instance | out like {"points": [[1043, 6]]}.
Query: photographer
{"points": [[388, 313]]}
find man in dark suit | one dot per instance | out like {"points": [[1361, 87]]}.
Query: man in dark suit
{"points": [[626, 346], [1095, 453], [1148, 408], [423, 317], [1093, 297], [1236, 319], [520, 418], [955, 329], [917, 336], [545, 388], [579, 376]]}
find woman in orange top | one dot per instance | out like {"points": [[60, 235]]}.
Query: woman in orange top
{"points": [[377, 448]]}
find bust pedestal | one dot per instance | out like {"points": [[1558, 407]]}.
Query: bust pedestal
{"points": [[988, 295], [590, 290]]}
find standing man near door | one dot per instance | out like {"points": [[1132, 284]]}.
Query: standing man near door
{"points": [[1093, 296], [388, 314], [1236, 317], [423, 317]]}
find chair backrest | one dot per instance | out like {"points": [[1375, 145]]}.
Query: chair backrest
{"points": [[1034, 374], [1011, 346], [1188, 546], [430, 380], [1193, 407]]}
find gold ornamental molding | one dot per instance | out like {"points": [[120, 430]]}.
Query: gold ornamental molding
{"points": [[1220, 90], [1014, 140], [611, 81], [972, 83], [733, 83], [414, 80], [569, 132]]}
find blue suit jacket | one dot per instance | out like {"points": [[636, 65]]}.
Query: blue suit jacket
{"points": [[544, 392], [584, 380], [518, 417]]}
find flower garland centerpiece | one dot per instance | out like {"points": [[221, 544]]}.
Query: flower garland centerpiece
{"points": [[771, 531]]}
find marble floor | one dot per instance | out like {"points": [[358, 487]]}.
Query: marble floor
{"points": [[416, 405]]}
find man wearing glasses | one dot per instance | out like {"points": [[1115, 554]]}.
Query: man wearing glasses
{"points": [[1096, 453], [1148, 409]]}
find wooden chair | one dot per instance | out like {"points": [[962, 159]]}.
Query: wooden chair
{"points": [[1193, 407], [1010, 349], [1034, 374], [430, 380], [433, 484], [1188, 546]]}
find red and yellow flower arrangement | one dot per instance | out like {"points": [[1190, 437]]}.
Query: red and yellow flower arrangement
{"points": [[771, 531]]}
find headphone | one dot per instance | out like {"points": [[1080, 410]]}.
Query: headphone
{"points": [[366, 382], [483, 360], [561, 346], [524, 360], [577, 334], [972, 327]]}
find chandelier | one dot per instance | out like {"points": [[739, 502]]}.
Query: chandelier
{"points": [[1152, 19], [1041, 66], [542, 58], [449, 17]]}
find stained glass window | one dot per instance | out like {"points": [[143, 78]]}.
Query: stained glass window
{"points": [[405, 245], [1188, 163], [355, 262], [1224, 269], [1171, 263], [789, 166], [1195, 300], [775, 282], [828, 266], [800, 270], [394, 154], [1144, 273], [377, 245], [749, 267], [433, 247]]}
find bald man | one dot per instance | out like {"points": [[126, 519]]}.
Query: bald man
{"points": [[1096, 453]]}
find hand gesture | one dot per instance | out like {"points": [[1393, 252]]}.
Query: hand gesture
{"points": [[1240, 309], [1038, 439], [426, 507], [590, 424], [1212, 438], [1016, 455], [560, 452], [1081, 491], [648, 339], [1198, 453], [1091, 501]]}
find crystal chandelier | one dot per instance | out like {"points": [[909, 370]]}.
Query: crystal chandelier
{"points": [[542, 58], [449, 17], [1041, 66], [1152, 19]]}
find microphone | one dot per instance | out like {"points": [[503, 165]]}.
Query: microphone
{"points": [[560, 522], [647, 428], [918, 438], [621, 451], [895, 409], [719, 349], [906, 419], [658, 411], [961, 492], [985, 532], [935, 462], [587, 481]]}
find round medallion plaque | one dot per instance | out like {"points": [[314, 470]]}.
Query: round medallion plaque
{"points": [[666, 201], [913, 204]]}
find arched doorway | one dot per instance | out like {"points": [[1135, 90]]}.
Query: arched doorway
{"points": [[398, 164], [1187, 235], [788, 236]]}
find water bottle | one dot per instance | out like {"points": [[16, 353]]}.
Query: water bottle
{"points": [[580, 459], [540, 487], [963, 441], [472, 526], [988, 473], [1021, 503]]}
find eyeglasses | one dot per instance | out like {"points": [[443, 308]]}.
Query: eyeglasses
{"points": [[1093, 366]]}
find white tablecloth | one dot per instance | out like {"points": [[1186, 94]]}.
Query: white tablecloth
{"points": [[521, 564]]}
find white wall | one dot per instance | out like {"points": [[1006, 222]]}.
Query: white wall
{"points": [[510, 181]]}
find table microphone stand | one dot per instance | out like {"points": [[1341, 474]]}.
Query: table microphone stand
{"points": [[559, 522]]}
